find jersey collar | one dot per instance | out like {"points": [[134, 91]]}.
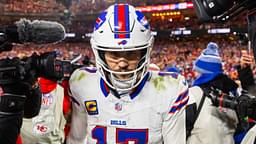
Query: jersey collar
{"points": [[105, 89]]}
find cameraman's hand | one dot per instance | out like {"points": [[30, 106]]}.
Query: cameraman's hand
{"points": [[33, 94], [245, 73], [27, 85], [30, 75], [31, 78], [246, 59]]}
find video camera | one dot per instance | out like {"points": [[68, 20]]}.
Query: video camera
{"points": [[20, 95], [44, 65], [244, 105], [223, 10]]}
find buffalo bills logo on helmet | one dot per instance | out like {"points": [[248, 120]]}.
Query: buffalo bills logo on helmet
{"points": [[100, 20], [142, 19], [123, 42]]}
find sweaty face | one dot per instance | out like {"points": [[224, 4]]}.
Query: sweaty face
{"points": [[124, 61]]}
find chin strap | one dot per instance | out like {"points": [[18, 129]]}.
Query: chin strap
{"points": [[122, 85]]}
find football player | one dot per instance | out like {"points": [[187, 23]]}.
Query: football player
{"points": [[121, 101]]}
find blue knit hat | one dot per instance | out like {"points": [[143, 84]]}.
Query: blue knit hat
{"points": [[209, 64], [209, 61]]}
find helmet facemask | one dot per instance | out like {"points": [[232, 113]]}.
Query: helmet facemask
{"points": [[111, 76]]}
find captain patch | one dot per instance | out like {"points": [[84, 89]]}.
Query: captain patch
{"points": [[91, 107]]}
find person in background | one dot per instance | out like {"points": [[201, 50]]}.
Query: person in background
{"points": [[245, 73], [18, 99], [246, 77], [213, 125], [48, 126]]}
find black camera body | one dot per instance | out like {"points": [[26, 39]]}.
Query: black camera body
{"points": [[44, 65], [20, 95], [18, 79], [221, 10], [244, 104]]}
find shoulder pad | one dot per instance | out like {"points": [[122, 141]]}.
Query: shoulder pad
{"points": [[81, 73], [89, 69]]}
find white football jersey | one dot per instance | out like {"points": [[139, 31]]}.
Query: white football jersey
{"points": [[152, 114]]}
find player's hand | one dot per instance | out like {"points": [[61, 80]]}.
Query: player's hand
{"points": [[246, 59]]}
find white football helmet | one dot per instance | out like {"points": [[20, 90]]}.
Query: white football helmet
{"points": [[122, 28]]}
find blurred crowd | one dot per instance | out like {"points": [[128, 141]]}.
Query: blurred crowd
{"points": [[32, 6], [64, 51], [166, 53], [93, 6], [76, 6], [182, 53], [179, 53], [164, 22], [67, 11], [83, 27]]}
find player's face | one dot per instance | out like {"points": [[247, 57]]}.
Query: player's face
{"points": [[123, 62]]}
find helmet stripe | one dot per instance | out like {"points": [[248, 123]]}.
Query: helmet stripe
{"points": [[100, 20], [142, 19], [127, 21], [115, 19], [121, 21]]}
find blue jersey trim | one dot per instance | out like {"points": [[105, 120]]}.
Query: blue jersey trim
{"points": [[140, 87], [180, 103], [89, 69], [103, 87], [172, 74]]}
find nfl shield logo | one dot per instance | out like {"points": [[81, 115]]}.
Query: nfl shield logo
{"points": [[47, 100], [118, 107]]}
